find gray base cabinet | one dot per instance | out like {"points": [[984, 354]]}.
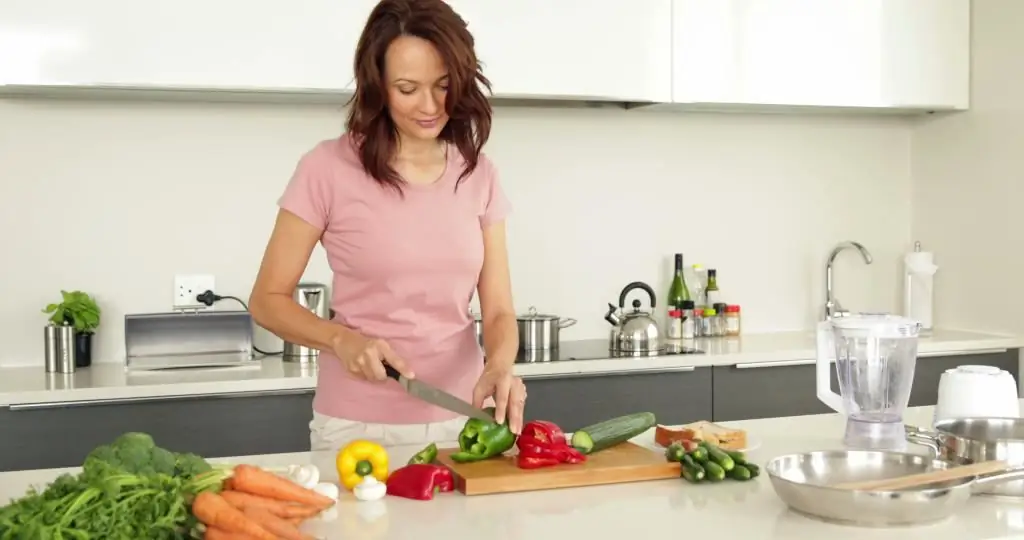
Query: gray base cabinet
{"points": [[767, 391], [211, 426], [675, 397]]}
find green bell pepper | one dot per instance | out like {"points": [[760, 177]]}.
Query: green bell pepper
{"points": [[481, 440], [426, 456]]}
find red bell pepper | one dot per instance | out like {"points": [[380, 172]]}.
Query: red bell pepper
{"points": [[420, 481], [543, 444]]}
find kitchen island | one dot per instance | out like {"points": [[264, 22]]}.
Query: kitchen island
{"points": [[265, 408], [666, 508]]}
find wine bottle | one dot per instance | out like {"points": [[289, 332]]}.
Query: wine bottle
{"points": [[677, 292]]}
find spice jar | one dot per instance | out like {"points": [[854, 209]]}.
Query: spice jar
{"points": [[689, 330], [732, 320], [708, 323]]}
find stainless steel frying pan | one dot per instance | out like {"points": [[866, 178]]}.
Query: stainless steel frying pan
{"points": [[803, 482]]}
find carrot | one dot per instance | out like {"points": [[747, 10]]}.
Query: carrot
{"points": [[276, 525], [257, 481], [215, 512], [221, 534], [282, 509]]}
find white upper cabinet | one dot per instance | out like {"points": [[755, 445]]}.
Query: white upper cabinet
{"points": [[230, 44], [903, 54], [610, 50]]}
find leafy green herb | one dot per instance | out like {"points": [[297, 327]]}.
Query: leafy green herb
{"points": [[77, 309], [128, 489]]}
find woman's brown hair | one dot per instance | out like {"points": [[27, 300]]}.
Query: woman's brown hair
{"points": [[469, 112]]}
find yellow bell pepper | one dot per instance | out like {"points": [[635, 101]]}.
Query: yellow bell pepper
{"points": [[361, 458]]}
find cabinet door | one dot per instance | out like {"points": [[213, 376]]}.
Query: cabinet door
{"points": [[574, 48], [229, 44], [767, 390], [844, 53], [675, 397], [927, 54], [60, 435]]}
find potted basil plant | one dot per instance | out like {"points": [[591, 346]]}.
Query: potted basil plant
{"points": [[80, 311]]}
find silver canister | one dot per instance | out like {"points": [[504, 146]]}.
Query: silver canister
{"points": [[315, 297], [50, 347], [65, 349]]}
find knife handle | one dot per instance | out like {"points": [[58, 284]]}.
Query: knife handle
{"points": [[390, 371]]}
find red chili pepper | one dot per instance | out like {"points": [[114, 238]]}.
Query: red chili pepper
{"points": [[543, 444], [420, 481]]}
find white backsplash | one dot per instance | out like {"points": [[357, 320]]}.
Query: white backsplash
{"points": [[115, 198]]}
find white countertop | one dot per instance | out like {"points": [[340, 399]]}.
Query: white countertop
{"points": [[109, 381], [659, 509]]}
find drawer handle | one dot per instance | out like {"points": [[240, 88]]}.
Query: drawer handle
{"points": [[781, 363], [960, 353], [680, 369], [145, 399]]}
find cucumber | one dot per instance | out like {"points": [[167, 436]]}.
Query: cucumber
{"points": [[675, 452], [609, 433], [736, 456], [714, 471], [741, 473], [717, 455], [691, 471], [755, 470], [699, 454]]}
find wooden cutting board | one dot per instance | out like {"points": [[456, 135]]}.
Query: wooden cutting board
{"points": [[626, 462]]}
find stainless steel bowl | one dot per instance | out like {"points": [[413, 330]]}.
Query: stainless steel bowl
{"points": [[973, 440], [803, 482]]}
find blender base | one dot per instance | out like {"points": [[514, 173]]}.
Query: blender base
{"points": [[867, 435]]}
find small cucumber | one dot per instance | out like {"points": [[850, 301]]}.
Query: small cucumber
{"points": [[736, 456], [717, 455], [608, 433], [741, 473], [691, 471], [755, 470], [675, 452], [715, 472], [699, 454]]}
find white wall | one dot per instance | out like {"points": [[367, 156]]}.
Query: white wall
{"points": [[969, 183], [115, 198]]}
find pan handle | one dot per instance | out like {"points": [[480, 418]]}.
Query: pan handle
{"points": [[928, 439], [1007, 475]]}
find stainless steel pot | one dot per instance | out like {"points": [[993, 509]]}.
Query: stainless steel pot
{"points": [[803, 482], [538, 331], [970, 440]]}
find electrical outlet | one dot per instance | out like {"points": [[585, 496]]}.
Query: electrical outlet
{"points": [[188, 286]]}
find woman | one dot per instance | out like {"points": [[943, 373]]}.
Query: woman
{"points": [[411, 215]]}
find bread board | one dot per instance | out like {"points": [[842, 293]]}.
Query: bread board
{"points": [[626, 462]]}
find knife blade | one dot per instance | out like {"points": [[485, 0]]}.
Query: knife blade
{"points": [[436, 396]]}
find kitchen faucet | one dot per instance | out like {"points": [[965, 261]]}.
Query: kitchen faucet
{"points": [[832, 306]]}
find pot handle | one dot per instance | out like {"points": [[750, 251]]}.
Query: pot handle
{"points": [[1008, 475], [566, 322], [929, 439]]}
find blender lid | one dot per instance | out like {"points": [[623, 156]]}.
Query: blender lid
{"points": [[877, 324]]}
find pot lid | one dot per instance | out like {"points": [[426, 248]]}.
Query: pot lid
{"points": [[532, 315]]}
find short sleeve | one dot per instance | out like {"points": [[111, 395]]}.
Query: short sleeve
{"points": [[309, 194], [497, 206]]}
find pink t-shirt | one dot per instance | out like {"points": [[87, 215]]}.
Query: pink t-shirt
{"points": [[404, 271]]}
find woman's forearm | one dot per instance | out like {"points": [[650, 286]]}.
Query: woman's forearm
{"points": [[501, 340], [284, 317]]}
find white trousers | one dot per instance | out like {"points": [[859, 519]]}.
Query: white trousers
{"points": [[329, 433]]}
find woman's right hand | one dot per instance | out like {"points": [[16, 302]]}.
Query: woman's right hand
{"points": [[364, 357]]}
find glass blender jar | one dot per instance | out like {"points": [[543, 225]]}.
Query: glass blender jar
{"points": [[875, 356]]}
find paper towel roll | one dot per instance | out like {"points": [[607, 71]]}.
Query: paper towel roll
{"points": [[918, 294]]}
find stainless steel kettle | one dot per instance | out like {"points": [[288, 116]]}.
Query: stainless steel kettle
{"points": [[635, 331]]}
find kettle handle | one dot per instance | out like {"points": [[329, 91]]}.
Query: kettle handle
{"points": [[632, 287]]}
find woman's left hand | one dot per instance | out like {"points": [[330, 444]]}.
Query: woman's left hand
{"points": [[509, 395]]}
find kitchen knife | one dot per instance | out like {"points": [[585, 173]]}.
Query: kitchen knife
{"points": [[436, 396]]}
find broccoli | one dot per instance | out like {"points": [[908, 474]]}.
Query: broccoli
{"points": [[137, 453]]}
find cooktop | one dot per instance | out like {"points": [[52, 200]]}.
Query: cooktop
{"points": [[593, 349]]}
